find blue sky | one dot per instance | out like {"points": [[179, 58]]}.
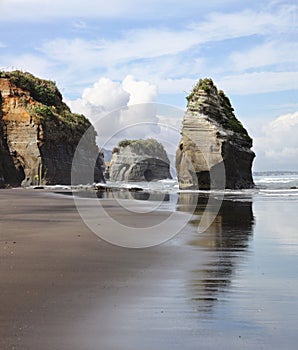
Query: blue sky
{"points": [[104, 54]]}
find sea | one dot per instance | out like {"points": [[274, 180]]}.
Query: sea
{"points": [[267, 183], [272, 184]]}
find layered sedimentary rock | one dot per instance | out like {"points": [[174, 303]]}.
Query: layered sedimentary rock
{"points": [[215, 148], [39, 134], [139, 160]]}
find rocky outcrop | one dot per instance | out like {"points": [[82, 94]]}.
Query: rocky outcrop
{"points": [[39, 134], [139, 160], [215, 148]]}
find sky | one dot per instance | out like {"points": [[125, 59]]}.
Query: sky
{"points": [[105, 55]]}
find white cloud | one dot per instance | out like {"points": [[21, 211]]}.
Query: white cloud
{"points": [[171, 58], [139, 91], [26, 9], [127, 110], [77, 52], [157, 42], [259, 82], [119, 109], [277, 147], [27, 62], [166, 55], [107, 94], [271, 53], [245, 23], [183, 85]]}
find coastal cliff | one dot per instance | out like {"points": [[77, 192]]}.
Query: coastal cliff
{"points": [[139, 160], [215, 148], [39, 134]]}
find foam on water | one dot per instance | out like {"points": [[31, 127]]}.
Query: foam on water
{"points": [[267, 186], [277, 181]]}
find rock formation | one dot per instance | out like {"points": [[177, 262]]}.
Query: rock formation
{"points": [[39, 134], [139, 160], [215, 149]]}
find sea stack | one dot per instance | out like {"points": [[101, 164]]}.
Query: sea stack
{"points": [[139, 160], [39, 134], [215, 149]]}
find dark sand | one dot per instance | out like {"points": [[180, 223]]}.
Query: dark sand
{"points": [[64, 288]]}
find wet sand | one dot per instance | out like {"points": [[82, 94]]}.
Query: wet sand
{"points": [[62, 287]]}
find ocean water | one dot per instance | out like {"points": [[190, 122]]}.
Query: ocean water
{"points": [[267, 184], [278, 184], [276, 180]]}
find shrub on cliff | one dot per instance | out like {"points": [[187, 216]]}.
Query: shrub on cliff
{"points": [[43, 91], [48, 109], [149, 147], [206, 99]]}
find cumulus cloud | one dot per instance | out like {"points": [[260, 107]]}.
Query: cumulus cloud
{"points": [[119, 109], [277, 148], [139, 91], [107, 95], [127, 110]]}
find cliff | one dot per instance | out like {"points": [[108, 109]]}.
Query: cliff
{"points": [[139, 160], [39, 134], [215, 148]]}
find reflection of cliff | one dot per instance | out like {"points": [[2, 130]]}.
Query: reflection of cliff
{"points": [[223, 243], [142, 195]]}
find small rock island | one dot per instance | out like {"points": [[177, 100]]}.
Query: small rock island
{"points": [[215, 148], [139, 160], [39, 134]]}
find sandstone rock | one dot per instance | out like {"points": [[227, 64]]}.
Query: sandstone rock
{"points": [[39, 134], [139, 160], [215, 149]]}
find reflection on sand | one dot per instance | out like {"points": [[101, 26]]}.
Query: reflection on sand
{"points": [[216, 252], [224, 243], [137, 195]]}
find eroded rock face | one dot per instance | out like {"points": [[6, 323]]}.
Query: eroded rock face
{"points": [[39, 134], [215, 149], [139, 160]]}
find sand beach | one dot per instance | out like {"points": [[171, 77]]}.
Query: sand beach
{"points": [[63, 287]]}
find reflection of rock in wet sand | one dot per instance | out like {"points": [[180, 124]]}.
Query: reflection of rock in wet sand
{"points": [[137, 195], [224, 243]]}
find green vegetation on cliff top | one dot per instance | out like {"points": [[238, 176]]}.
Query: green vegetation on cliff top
{"points": [[149, 146], [50, 111], [148, 143], [225, 115], [43, 91]]}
